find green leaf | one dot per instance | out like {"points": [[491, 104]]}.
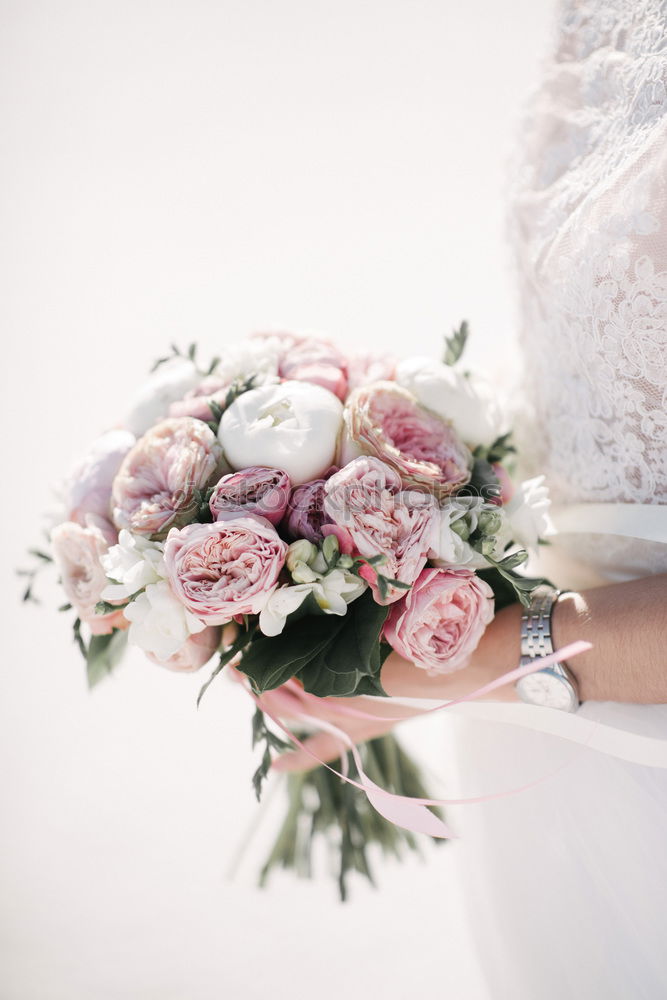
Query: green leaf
{"points": [[455, 345], [269, 661], [105, 608], [38, 554], [501, 448], [78, 638], [483, 481], [261, 732], [355, 652], [104, 653], [523, 586], [239, 643]]}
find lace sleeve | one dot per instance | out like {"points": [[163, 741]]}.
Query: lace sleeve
{"points": [[590, 229]]}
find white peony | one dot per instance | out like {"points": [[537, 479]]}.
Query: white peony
{"points": [[159, 623], [527, 513], [468, 402], [165, 386], [332, 592], [293, 426], [133, 563]]}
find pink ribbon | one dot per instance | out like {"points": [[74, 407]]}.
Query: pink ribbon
{"points": [[410, 813]]}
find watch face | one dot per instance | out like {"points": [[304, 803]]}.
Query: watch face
{"points": [[548, 689]]}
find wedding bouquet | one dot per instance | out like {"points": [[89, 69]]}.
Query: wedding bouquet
{"points": [[298, 514]]}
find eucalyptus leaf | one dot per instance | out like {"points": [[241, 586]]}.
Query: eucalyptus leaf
{"points": [[455, 345], [103, 654]]}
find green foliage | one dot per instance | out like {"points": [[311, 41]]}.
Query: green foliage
{"points": [[190, 353], [103, 654], [241, 641], [262, 734], [501, 448], [43, 559], [330, 654], [322, 807], [455, 345], [483, 481], [504, 580]]}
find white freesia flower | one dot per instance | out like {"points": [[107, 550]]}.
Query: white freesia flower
{"points": [[456, 520], [281, 603], [165, 386], [134, 563], [292, 426], [527, 513], [159, 623], [333, 592], [467, 401]]}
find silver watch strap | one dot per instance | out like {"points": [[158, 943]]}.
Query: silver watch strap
{"points": [[536, 637], [536, 624]]}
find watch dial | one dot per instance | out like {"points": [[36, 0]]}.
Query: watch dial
{"points": [[545, 688]]}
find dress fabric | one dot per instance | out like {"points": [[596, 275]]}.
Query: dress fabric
{"points": [[566, 882]]}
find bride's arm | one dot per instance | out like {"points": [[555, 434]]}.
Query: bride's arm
{"points": [[625, 622]]}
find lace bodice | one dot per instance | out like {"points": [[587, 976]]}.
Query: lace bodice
{"points": [[590, 228]]}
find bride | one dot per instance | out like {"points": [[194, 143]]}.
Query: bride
{"points": [[565, 882]]}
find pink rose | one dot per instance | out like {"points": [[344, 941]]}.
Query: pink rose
{"points": [[365, 368], [88, 487], [197, 402], [365, 498], [387, 422], [77, 551], [310, 359], [438, 624], [222, 570], [155, 486], [255, 490], [195, 652]]}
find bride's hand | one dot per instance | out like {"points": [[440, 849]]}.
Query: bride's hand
{"points": [[495, 655]]}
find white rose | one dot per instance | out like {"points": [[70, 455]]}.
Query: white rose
{"points": [[467, 401], [293, 426], [159, 623], [133, 563], [165, 386], [527, 513]]}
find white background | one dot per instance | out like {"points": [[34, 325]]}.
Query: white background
{"points": [[194, 170]]}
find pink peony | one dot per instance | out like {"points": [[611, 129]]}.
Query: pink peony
{"points": [[197, 402], [88, 487], [255, 490], [438, 624], [77, 551], [155, 487], [362, 369], [226, 569], [365, 498], [385, 421], [306, 358], [196, 651]]}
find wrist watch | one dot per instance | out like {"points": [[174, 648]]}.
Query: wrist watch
{"points": [[555, 686]]}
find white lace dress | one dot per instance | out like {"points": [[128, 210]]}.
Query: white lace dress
{"points": [[567, 882]]}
